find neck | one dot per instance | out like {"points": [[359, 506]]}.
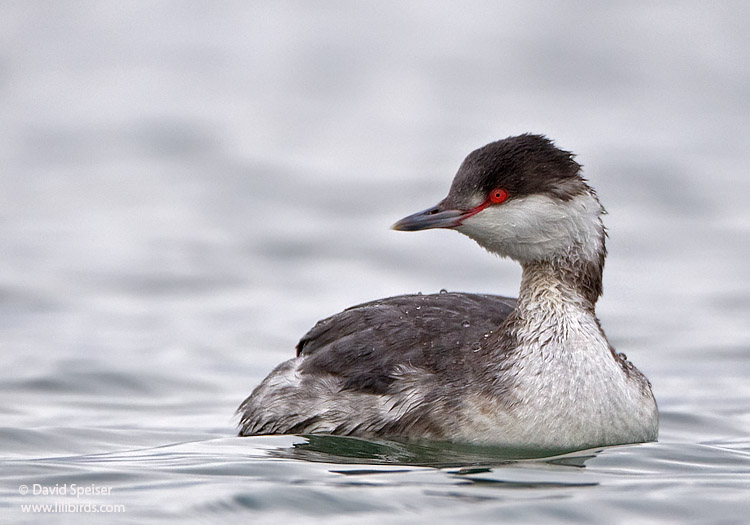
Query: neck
{"points": [[555, 310], [565, 281]]}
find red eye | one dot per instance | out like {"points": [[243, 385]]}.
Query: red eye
{"points": [[498, 195]]}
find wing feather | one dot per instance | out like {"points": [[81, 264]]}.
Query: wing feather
{"points": [[366, 344]]}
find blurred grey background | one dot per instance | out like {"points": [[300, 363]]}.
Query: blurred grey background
{"points": [[188, 186]]}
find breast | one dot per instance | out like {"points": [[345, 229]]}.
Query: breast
{"points": [[569, 390]]}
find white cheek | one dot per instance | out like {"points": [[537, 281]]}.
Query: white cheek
{"points": [[538, 227]]}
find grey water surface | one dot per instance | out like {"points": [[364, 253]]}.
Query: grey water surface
{"points": [[187, 187]]}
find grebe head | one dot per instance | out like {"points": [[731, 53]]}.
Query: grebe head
{"points": [[522, 198]]}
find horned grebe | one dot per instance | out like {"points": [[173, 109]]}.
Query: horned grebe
{"points": [[536, 372]]}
